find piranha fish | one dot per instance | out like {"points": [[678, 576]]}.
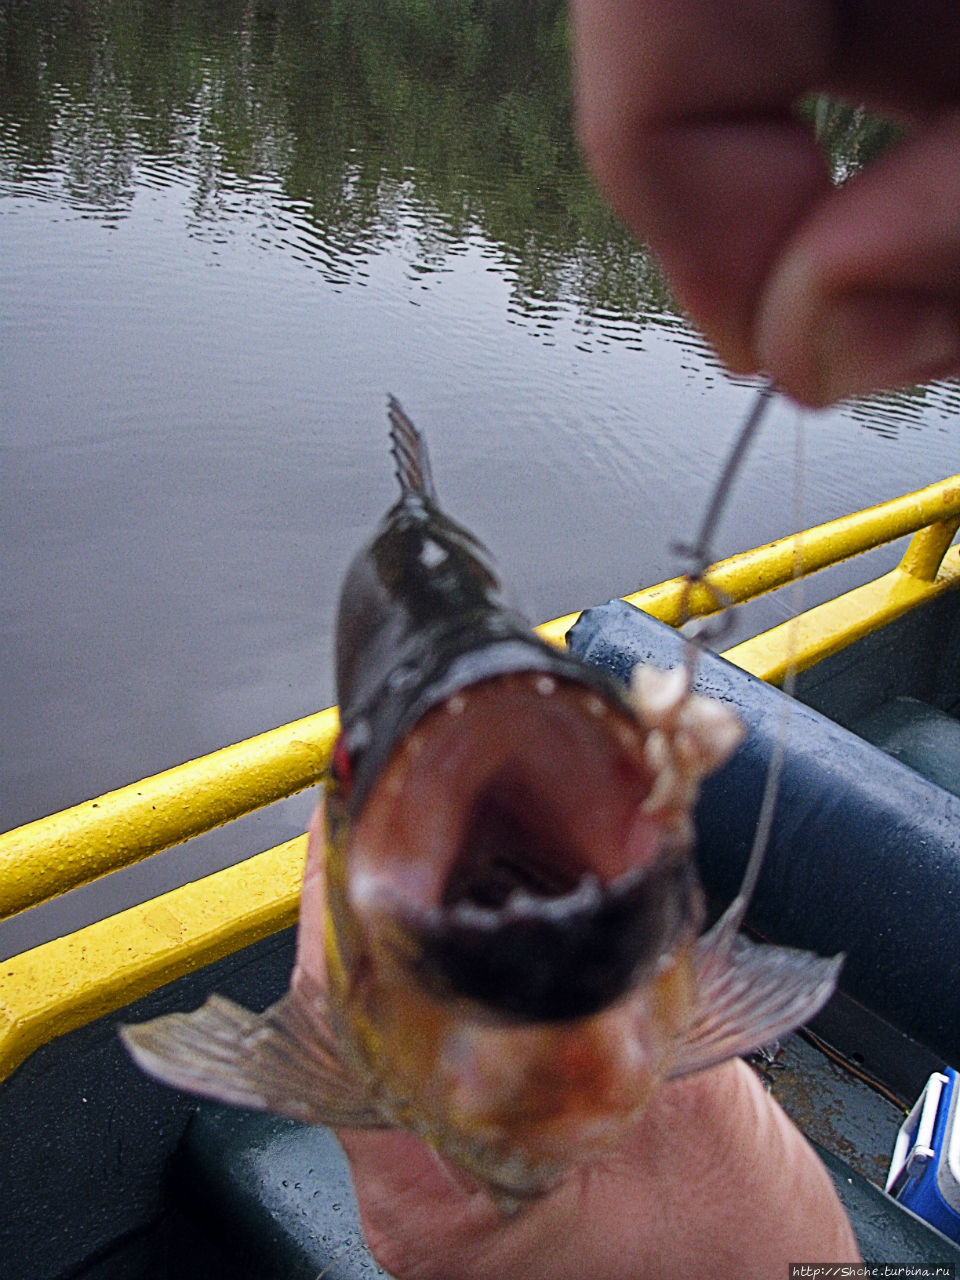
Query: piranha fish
{"points": [[512, 927]]}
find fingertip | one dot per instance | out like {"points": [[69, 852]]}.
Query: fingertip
{"points": [[823, 348], [717, 201], [866, 296], [785, 335]]}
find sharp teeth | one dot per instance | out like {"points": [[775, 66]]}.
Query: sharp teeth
{"points": [[545, 685], [456, 704], [517, 904], [596, 706], [587, 893], [523, 905], [468, 913], [625, 884], [584, 897]]}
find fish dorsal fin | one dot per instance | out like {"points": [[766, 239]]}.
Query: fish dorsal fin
{"points": [[749, 995], [284, 1060], [410, 454]]}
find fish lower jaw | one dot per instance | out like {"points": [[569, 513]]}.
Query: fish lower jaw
{"points": [[517, 1106], [506, 857], [523, 1155]]}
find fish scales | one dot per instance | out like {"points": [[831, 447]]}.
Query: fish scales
{"points": [[499, 944]]}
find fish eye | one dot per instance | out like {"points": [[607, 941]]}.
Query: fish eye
{"points": [[341, 766]]}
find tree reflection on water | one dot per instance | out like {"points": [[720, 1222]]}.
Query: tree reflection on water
{"points": [[336, 116]]}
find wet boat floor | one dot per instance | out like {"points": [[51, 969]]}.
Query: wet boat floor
{"points": [[832, 1105]]}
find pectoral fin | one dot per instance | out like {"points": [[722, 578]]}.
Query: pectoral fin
{"points": [[284, 1060], [750, 995]]}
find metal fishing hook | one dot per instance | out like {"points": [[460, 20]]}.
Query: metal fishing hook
{"points": [[699, 552]]}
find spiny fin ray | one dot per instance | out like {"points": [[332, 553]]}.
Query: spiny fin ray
{"points": [[750, 995], [410, 454], [284, 1060]]}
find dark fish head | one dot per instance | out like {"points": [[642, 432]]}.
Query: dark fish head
{"points": [[506, 858]]}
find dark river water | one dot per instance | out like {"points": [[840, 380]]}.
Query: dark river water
{"points": [[227, 231]]}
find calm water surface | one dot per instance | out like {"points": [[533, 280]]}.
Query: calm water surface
{"points": [[226, 232]]}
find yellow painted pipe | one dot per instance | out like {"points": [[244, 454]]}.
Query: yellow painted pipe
{"points": [[70, 981], [54, 854], [753, 573], [924, 556], [828, 628], [49, 856], [66, 983]]}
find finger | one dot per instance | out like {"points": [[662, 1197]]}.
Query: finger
{"points": [[684, 111], [899, 56], [867, 294], [313, 898], [716, 202], [638, 62]]}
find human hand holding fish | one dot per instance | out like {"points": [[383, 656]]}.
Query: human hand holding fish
{"points": [[500, 952], [687, 116], [713, 1179]]}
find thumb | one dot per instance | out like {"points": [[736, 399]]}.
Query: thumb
{"points": [[867, 294]]}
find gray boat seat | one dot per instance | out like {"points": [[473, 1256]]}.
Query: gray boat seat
{"points": [[864, 857], [864, 853], [919, 735], [272, 1197]]}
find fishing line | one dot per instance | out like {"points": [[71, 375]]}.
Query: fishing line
{"points": [[700, 553], [733, 917], [710, 630]]}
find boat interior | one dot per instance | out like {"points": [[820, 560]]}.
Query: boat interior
{"points": [[109, 1175]]}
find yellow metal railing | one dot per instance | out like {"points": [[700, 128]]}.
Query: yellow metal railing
{"points": [[72, 980], [754, 573], [49, 856], [929, 567]]}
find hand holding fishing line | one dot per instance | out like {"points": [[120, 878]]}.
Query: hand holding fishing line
{"points": [[714, 1176], [686, 113]]}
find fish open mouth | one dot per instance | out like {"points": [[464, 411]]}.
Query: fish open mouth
{"points": [[511, 846], [507, 856]]}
